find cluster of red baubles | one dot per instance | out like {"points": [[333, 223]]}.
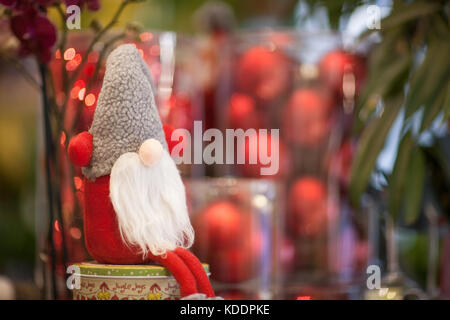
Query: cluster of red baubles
{"points": [[266, 94]]}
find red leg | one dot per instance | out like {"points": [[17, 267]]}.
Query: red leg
{"points": [[180, 272], [192, 262]]}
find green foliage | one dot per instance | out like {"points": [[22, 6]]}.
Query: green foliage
{"points": [[414, 188], [398, 177], [370, 144], [412, 57]]}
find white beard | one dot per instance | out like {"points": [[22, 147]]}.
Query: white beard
{"points": [[150, 204]]}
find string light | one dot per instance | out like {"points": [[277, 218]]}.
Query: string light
{"points": [[69, 54], [74, 63], [77, 182], [62, 139], [81, 94], [89, 100], [57, 228]]}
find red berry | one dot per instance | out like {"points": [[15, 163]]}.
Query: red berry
{"points": [[307, 207], [307, 117], [263, 73]]}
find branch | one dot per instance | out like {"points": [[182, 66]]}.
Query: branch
{"points": [[21, 68], [62, 44]]}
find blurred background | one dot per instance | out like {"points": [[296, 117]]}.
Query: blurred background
{"points": [[359, 90]]}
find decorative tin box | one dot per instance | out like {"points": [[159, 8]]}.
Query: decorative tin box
{"points": [[125, 282]]}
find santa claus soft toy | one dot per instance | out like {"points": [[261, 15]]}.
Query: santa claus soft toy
{"points": [[135, 206]]}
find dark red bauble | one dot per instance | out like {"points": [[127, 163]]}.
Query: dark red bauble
{"points": [[261, 142], [335, 64], [263, 73], [307, 207], [232, 265], [220, 225], [242, 113], [307, 117], [180, 114], [339, 164]]}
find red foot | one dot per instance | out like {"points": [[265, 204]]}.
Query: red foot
{"points": [[180, 272], [197, 270]]}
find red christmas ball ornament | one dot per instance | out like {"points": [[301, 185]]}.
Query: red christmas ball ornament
{"points": [[220, 225], [242, 113], [307, 117], [257, 150], [336, 64], [180, 111], [307, 207], [263, 73], [232, 265]]}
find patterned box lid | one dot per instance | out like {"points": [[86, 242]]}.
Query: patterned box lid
{"points": [[93, 269]]}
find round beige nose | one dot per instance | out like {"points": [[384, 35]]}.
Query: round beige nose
{"points": [[150, 152]]}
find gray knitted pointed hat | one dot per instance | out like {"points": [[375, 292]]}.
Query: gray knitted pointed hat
{"points": [[126, 113]]}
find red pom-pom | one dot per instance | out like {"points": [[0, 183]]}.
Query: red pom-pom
{"points": [[80, 149]]}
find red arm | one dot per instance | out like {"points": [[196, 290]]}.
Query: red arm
{"points": [[80, 149]]}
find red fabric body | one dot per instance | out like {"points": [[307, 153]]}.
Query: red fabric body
{"points": [[101, 229]]}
